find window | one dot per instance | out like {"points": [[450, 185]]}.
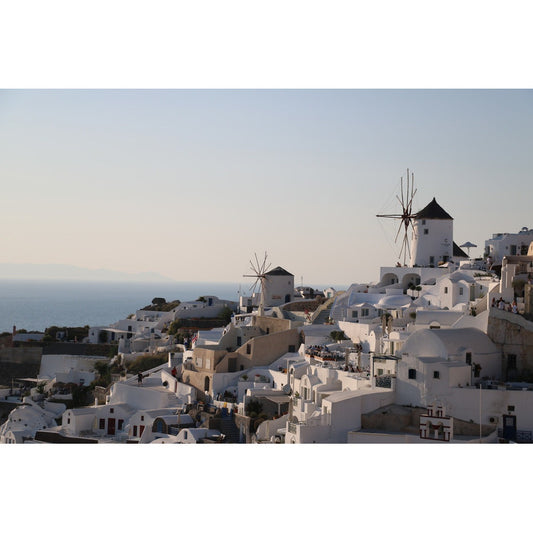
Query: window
{"points": [[248, 348], [380, 371], [431, 259], [239, 341], [461, 290], [292, 348], [120, 424], [111, 410], [412, 373], [511, 361], [468, 358], [513, 249], [208, 364], [445, 290], [436, 374], [364, 312], [354, 314], [102, 423], [423, 222], [142, 418], [426, 231]]}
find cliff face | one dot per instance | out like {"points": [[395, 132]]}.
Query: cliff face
{"points": [[19, 363], [514, 335]]}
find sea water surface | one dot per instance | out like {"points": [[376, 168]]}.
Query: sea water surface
{"points": [[35, 305]]}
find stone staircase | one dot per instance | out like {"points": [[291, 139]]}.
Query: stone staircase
{"points": [[321, 317], [229, 428]]}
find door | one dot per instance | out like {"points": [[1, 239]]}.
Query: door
{"points": [[111, 426]]}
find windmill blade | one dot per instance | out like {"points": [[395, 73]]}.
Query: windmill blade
{"points": [[254, 285], [264, 266], [390, 216], [404, 247], [411, 201], [253, 268], [257, 268], [407, 183], [399, 229], [401, 189]]}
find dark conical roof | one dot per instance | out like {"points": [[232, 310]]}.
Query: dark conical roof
{"points": [[278, 271], [457, 252], [433, 210]]}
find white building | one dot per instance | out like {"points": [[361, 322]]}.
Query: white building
{"points": [[436, 361], [24, 421], [503, 244]]}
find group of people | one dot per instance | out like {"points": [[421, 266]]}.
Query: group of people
{"points": [[505, 306]]}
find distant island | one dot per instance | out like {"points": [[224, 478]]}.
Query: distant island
{"points": [[71, 272]]}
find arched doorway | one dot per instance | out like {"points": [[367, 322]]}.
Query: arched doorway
{"points": [[206, 384]]}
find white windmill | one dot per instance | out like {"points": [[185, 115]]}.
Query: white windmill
{"points": [[259, 273], [406, 216]]}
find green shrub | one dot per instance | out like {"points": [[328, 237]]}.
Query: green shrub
{"points": [[145, 362]]}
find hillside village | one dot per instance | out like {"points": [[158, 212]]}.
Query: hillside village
{"points": [[440, 349]]}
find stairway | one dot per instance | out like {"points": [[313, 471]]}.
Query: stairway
{"points": [[321, 317], [229, 428]]}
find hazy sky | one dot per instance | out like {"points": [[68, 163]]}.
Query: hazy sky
{"points": [[191, 183]]}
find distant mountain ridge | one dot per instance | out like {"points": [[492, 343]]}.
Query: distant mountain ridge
{"points": [[71, 272]]}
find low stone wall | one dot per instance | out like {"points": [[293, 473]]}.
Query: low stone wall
{"points": [[23, 354]]}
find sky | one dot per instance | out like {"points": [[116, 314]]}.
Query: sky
{"points": [[192, 183]]}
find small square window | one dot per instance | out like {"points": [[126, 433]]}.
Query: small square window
{"points": [[436, 374], [426, 231], [412, 373]]}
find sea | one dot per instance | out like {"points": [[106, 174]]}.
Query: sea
{"points": [[35, 305]]}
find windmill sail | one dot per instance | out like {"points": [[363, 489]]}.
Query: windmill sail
{"points": [[406, 216], [259, 273]]}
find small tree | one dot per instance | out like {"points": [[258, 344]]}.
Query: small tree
{"points": [[225, 314], [337, 336]]}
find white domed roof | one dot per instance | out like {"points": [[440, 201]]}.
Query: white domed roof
{"points": [[394, 301]]}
